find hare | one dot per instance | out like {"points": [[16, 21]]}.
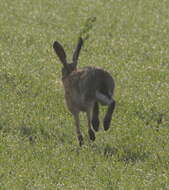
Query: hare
{"points": [[85, 89]]}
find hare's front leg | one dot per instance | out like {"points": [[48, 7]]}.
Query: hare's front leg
{"points": [[78, 132], [89, 118]]}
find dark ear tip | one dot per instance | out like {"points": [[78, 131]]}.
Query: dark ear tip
{"points": [[55, 44], [81, 40]]}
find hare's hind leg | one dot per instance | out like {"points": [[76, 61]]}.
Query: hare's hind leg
{"points": [[108, 116], [78, 132], [103, 99], [89, 117], [95, 117]]}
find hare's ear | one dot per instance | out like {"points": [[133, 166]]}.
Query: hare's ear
{"points": [[77, 51], [60, 52]]}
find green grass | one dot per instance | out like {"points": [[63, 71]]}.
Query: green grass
{"points": [[38, 145]]}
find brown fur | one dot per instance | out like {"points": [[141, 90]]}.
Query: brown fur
{"points": [[84, 89]]}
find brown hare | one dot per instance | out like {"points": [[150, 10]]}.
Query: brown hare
{"points": [[85, 89]]}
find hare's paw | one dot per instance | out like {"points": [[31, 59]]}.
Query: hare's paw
{"points": [[91, 134], [106, 123], [95, 123], [80, 139]]}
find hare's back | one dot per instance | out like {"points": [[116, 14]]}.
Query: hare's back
{"points": [[96, 79]]}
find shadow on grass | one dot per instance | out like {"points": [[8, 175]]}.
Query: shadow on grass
{"points": [[132, 156], [122, 154]]}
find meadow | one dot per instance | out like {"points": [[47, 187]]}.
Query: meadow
{"points": [[38, 144]]}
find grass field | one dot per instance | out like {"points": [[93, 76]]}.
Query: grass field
{"points": [[38, 145]]}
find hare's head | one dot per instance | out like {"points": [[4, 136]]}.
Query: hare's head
{"points": [[67, 67]]}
